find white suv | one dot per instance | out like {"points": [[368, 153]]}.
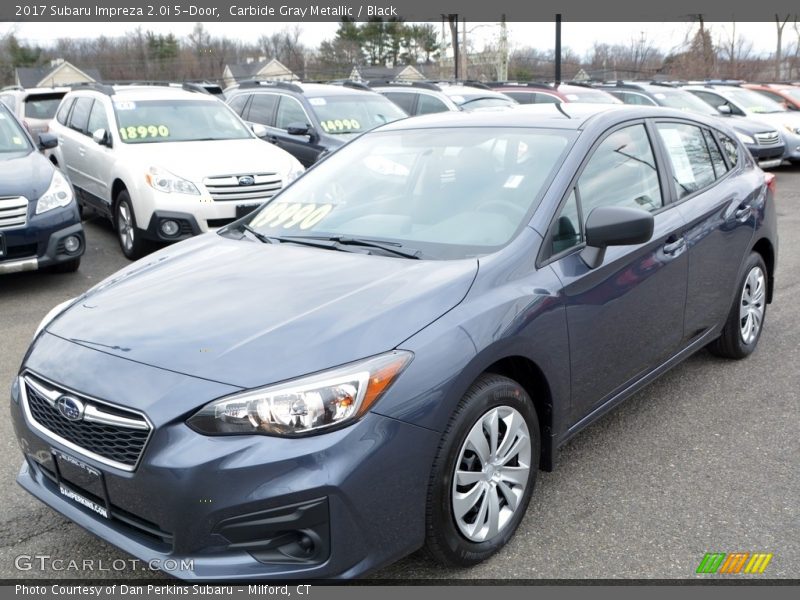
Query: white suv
{"points": [[164, 163]]}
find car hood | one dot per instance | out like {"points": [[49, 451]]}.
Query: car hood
{"points": [[249, 314], [196, 160], [28, 175], [777, 120]]}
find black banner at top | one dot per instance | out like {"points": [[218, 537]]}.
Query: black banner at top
{"points": [[143, 11]]}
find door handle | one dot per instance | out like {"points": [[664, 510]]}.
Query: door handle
{"points": [[743, 213], [673, 247], [82, 151]]}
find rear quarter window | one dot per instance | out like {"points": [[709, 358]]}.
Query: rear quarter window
{"points": [[63, 110]]}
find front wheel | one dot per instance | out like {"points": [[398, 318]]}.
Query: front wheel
{"points": [[130, 239], [483, 474], [745, 322]]}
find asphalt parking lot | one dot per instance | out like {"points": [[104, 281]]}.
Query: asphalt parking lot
{"points": [[704, 460]]}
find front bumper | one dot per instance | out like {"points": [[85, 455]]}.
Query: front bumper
{"points": [[234, 505], [40, 243], [194, 214]]}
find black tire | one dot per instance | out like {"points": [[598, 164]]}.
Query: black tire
{"points": [[69, 266], [135, 246], [732, 343], [445, 541]]}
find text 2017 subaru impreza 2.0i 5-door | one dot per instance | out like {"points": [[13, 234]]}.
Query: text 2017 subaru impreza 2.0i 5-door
{"points": [[383, 356]]}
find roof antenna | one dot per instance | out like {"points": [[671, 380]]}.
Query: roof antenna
{"points": [[561, 110]]}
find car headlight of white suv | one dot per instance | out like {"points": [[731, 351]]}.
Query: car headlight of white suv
{"points": [[164, 181], [57, 195]]}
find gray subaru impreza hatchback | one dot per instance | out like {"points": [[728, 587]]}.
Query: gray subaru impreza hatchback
{"points": [[384, 355]]}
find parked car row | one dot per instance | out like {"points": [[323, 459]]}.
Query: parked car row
{"points": [[169, 161]]}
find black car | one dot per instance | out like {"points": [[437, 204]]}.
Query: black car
{"points": [[311, 119], [39, 221], [762, 140]]}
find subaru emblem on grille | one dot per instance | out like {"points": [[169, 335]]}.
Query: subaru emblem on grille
{"points": [[70, 408], [246, 180]]}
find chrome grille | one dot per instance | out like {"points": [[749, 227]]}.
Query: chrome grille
{"points": [[768, 138], [110, 435], [13, 212], [224, 188]]}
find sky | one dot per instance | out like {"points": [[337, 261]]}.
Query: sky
{"points": [[577, 36]]}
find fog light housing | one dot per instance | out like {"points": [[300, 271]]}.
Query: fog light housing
{"points": [[72, 244], [170, 228]]}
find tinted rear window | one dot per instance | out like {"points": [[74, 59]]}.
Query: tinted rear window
{"points": [[42, 106]]}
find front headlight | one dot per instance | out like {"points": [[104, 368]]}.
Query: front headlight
{"points": [[57, 195], [54, 312], [744, 137], [295, 172], [306, 405], [792, 128], [164, 181]]}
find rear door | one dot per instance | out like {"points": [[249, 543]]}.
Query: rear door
{"points": [[715, 187], [98, 159], [626, 316], [73, 142]]}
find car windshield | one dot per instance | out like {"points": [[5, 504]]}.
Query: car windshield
{"points": [[12, 138], [354, 114], [450, 193], [151, 121], [683, 100], [754, 102], [42, 106]]}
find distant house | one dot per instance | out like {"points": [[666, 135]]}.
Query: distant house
{"points": [[402, 72], [59, 72], [269, 70]]}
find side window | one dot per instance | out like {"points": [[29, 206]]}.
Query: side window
{"points": [[638, 99], [428, 104], [730, 148], [545, 99], [237, 103], [8, 100], [289, 111], [720, 168], [404, 100], [567, 231], [63, 110], [97, 118], [621, 172], [79, 119], [262, 108], [688, 153]]}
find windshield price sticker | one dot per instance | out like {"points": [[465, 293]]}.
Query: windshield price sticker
{"points": [[333, 125], [125, 105], [141, 132], [294, 214]]}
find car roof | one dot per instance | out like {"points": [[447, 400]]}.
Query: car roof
{"points": [[309, 90], [145, 92], [573, 115]]}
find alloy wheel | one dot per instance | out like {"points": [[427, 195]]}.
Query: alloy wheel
{"points": [[125, 226]]}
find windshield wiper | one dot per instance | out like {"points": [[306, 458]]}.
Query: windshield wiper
{"points": [[390, 247], [336, 242]]}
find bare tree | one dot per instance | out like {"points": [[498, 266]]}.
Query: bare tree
{"points": [[779, 25]]}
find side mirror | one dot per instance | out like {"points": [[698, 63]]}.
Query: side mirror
{"points": [[259, 130], [724, 109], [614, 226], [299, 128], [47, 141], [101, 136]]}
